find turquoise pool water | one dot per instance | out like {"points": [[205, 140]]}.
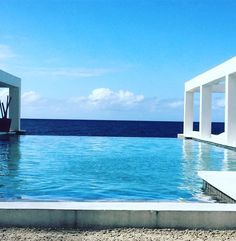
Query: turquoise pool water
{"points": [[106, 168]]}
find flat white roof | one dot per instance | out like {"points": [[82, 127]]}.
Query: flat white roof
{"points": [[215, 74], [9, 80]]}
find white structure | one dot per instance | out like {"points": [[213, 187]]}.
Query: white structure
{"points": [[14, 84], [221, 79]]}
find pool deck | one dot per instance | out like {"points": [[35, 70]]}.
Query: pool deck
{"points": [[100, 215], [220, 184]]}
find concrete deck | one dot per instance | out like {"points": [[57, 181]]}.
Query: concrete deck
{"points": [[221, 183], [98, 215]]}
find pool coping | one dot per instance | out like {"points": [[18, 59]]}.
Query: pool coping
{"points": [[219, 184], [120, 206], [100, 215]]}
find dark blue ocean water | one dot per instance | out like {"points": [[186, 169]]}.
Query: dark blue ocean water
{"points": [[108, 128]]}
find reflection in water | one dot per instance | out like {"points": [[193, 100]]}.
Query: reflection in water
{"points": [[210, 157], [187, 149], [9, 164], [229, 160], [9, 154], [204, 156], [189, 164], [199, 156]]}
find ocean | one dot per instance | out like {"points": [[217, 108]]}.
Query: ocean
{"points": [[108, 128]]}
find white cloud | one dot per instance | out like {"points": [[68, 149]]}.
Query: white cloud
{"points": [[108, 99], [164, 104], [101, 94], [121, 96], [5, 52], [101, 103], [79, 72], [220, 103], [74, 72], [3, 93], [30, 97], [176, 104]]}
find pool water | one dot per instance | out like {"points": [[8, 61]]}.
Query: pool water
{"points": [[107, 168]]}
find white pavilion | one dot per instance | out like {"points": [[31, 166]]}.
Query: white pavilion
{"points": [[13, 83], [220, 79]]}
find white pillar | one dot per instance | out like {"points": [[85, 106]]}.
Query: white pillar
{"points": [[230, 110], [205, 111], [14, 109], [188, 113]]}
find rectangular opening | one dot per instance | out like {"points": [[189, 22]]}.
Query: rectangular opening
{"points": [[196, 111], [218, 110]]}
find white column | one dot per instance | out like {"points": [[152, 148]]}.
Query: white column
{"points": [[14, 109], [230, 110], [205, 111], [188, 113]]}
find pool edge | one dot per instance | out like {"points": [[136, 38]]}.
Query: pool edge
{"points": [[100, 215]]}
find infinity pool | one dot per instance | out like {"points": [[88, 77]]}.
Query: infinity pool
{"points": [[106, 168]]}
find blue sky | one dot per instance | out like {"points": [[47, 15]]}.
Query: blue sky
{"points": [[112, 59]]}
